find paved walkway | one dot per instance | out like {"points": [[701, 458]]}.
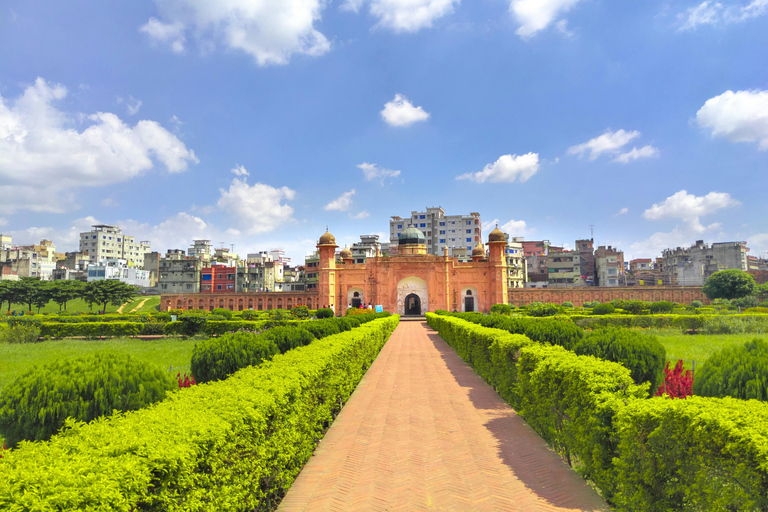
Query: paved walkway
{"points": [[423, 432]]}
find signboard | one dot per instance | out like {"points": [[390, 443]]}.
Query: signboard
{"points": [[379, 309]]}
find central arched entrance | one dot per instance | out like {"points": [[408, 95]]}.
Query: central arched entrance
{"points": [[412, 296], [413, 305]]}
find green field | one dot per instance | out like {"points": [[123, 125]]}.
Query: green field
{"points": [[16, 359], [697, 347], [80, 306]]}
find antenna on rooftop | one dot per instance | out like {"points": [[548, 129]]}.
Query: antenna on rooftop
{"points": [[592, 232]]}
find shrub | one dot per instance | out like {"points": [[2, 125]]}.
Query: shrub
{"points": [[696, 303], [250, 315], [634, 307], [567, 304], [90, 329], [738, 372], [734, 324], [216, 358], [227, 314], [603, 309], [215, 317], [322, 328], [591, 304], [746, 302], [287, 338], [676, 383], [20, 334], [642, 354], [35, 406], [192, 324], [153, 328], [324, 313], [554, 331], [301, 312], [757, 311], [662, 306], [721, 302], [231, 445], [501, 309], [539, 309]]}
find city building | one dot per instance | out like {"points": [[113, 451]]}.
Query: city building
{"points": [[516, 264], [564, 268], [457, 232], [6, 242], [218, 278], [535, 253], [202, 250], [179, 273], [587, 252], [37, 260], [692, 266], [311, 264], [223, 255], [118, 269], [610, 267], [367, 247], [108, 242]]}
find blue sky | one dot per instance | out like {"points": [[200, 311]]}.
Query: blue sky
{"points": [[257, 123]]}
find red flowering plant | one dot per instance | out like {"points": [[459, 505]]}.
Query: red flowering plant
{"points": [[185, 381], [676, 383]]}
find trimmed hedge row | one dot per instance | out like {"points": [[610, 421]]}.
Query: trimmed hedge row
{"points": [[90, 329], [645, 454], [231, 445]]}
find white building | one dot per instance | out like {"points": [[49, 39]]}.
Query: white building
{"points": [[516, 264], [367, 247], [460, 233], [108, 242], [119, 270]]}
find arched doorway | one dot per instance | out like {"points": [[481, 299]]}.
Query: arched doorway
{"points": [[412, 305], [412, 286], [355, 297], [469, 299]]}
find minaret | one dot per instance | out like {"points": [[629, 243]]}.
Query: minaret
{"points": [[326, 247], [497, 241]]}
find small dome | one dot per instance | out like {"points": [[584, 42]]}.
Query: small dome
{"points": [[327, 238], [497, 235], [346, 254], [412, 235], [479, 250]]}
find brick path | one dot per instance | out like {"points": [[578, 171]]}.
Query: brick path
{"points": [[423, 432]]}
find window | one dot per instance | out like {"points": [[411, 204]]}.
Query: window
{"points": [[469, 223], [469, 239], [189, 287], [422, 225], [218, 287], [421, 216], [469, 231], [165, 287], [442, 240], [442, 223], [118, 239], [399, 226]]}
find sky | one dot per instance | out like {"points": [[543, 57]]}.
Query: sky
{"points": [[257, 123]]}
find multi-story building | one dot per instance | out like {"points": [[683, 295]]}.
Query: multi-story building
{"points": [[311, 263], [30, 260], [218, 278], [179, 273], [587, 251], [457, 232], [692, 266], [565, 269], [610, 267], [108, 242], [367, 247], [535, 253], [223, 255], [641, 265], [516, 266], [119, 270], [6, 242], [202, 250]]}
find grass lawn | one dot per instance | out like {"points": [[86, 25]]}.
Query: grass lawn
{"points": [[697, 347], [80, 306], [16, 359]]}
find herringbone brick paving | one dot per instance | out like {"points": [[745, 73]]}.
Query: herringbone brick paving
{"points": [[423, 432]]}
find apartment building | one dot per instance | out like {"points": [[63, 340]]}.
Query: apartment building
{"points": [[119, 270], [692, 266], [610, 267], [218, 278], [459, 233], [109, 242], [37, 260], [311, 264], [535, 254], [201, 250], [6, 242], [179, 273], [367, 247], [517, 273], [587, 251], [564, 269]]}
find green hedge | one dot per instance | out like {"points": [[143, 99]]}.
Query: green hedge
{"points": [[645, 454], [222, 327], [738, 372], [215, 358], [90, 329], [231, 445]]}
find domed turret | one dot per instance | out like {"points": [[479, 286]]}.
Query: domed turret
{"points": [[479, 250], [346, 254], [411, 235], [497, 235], [327, 238]]}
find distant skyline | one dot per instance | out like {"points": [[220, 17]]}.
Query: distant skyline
{"points": [[257, 123]]}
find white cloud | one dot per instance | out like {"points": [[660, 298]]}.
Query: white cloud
{"points": [[715, 13], [621, 212], [740, 116], [374, 172], [269, 31], [609, 142], [401, 112], [171, 34], [361, 215], [258, 207], [536, 15], [108, 202], [634, 154], [758, 245], [352, 5], [683, 205], [341, 203], [512, 227], [683, 235], [44, 158], [176, 232], [3, 221], [239, 170], [506, 169], [132, 105], [408, 15]]}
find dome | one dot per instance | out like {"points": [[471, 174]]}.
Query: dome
{"points": [[327, 238], [497, 235], [412, 235], [479, 250], [346, 254]]}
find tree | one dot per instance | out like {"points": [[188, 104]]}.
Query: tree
{"points": [[108, 291], [761, 291], [64, 291], [729, 284], [41, 294], [26, 289], [7, 293]]}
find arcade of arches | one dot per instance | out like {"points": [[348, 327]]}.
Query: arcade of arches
{"points": [[414, 283]]}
